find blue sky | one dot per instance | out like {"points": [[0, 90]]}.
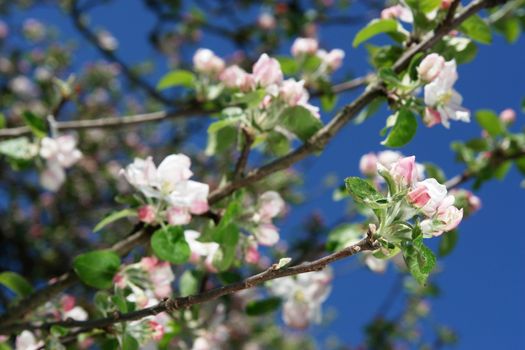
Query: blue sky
{"points": [[483, 282]]}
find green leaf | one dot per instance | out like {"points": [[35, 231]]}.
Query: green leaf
{"points": [[312, 63], [389, 76], [301, 122], [328, 101], [252, 99], [221, 140], [520, 164], [502, 170], [176, 78], [124, 213], [129, 343], [170, 245], [419, 259], [18, 148], [97, 268], [433, 171], [510, 28], [344, 235], [2, 120], [362, 191], [476, 28], [447, 243], [189, 283], [490, 122], [424, 6], [35, 123], [289, 65], [403, 130], [262, 307], [375, 27], [16, 283]]}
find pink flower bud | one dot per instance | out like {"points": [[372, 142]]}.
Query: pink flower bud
{"points": [[419, 196], [474, 202], [432, 117], [445, 4], [397, 11], [252, 255], [266, 21], [267, 71], [430, 67], [178, 216], [235, 77], [205, 61], [293, 92], [146, 214], [266, 234], [368, 164], [333, 59], [157, 330], [508, 116], [304, 46], [67, 302], [404, 171], [271, 204]]}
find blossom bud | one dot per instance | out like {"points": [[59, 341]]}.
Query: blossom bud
{"points": [[146, 214], [430, 67], [178, 216], [205, 61], [304, 46], [267, 71], [404, 171], [266, 21], [368, 164], [445, 4], [293, 92], [508, 116], [235, 77], [334, 59], [157, 330]]}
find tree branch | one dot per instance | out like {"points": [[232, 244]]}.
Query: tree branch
{"points": [[138, 236], [245, 153], [172, 304]]}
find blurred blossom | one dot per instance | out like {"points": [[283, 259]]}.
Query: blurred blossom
{"points": [[33, 29], [4, 30], [23, 87], [266, 21], [107, 41]]}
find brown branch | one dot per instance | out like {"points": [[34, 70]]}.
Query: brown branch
{"points": [[172, 304], [109, 123], [245, 153]]}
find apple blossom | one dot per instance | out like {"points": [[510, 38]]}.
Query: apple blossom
{"points": [[368, 164], [236, 77], [34, 29], [266, 21], [430, 67], [267, 71], [23, 87], [404, 171], [107, 41], [508, 116], [27, 341], [53, 176], [444, 102], [427, 195], [332, 59], [206, 62], [398, 11], [61, 150], [160, 275], [304, 46], [303, 296], [146, 214], [206, 250], [271, 204], [293, 92], [266, 234]]}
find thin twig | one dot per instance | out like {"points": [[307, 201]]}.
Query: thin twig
{"points": [[245, 153]]}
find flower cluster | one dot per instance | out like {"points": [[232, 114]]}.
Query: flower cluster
{"points": [[177, 197], [270, 205], [442, 101], [60, 153], [303, 296], [201, 250], [370, 163], [303, 48]]}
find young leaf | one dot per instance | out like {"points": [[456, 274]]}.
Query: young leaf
{"points": [[490, 122], [170, 245], [124, 213], [16, 283], [403, 130], [189, 282], [447, 243], [261, 307], [420, 260], [19, 148], [97, 268], [476, 28], [301, 122], [375, 27], [361, 190], [176, 78], [289, 65], [35, 123]]}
